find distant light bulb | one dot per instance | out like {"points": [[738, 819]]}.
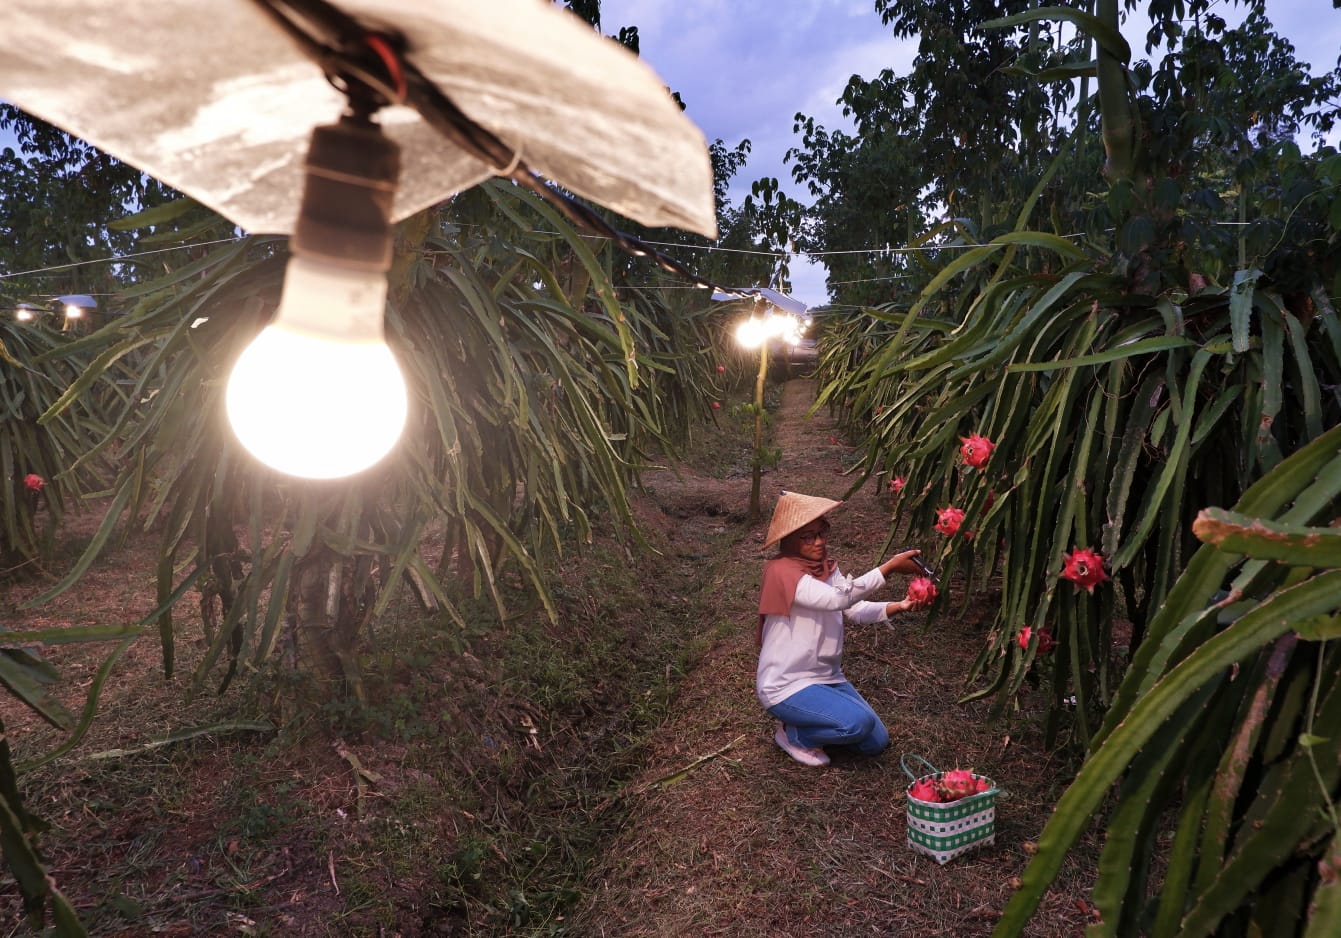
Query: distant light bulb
{"points": [[25, 315], [752, 333], [318, 393], [73, 312]]}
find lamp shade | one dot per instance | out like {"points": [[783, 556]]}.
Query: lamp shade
{"points": [[216, 101]]}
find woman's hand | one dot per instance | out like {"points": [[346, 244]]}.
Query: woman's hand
{"points": [[903, 605], [902, 563]]}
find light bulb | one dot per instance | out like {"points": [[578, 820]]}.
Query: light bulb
{"points": [[318, 394], [752, 332]]}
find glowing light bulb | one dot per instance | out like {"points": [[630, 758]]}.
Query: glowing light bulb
{"points": [[318, 393], [752, 332]]}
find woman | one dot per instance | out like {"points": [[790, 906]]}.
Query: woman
{"points": [[801, 607]]}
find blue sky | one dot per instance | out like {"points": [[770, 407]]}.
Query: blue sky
{"points": [[744, 67]]}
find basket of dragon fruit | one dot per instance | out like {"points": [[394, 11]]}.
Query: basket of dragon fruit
{"points": [[950, 812]]}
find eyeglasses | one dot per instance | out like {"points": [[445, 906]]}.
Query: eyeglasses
{"points": [[810, 537]]}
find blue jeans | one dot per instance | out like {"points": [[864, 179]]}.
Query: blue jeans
{"points": [[832, 715]]}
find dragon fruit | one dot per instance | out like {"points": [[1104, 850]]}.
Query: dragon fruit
{"points": [[921, 590], [948, 520], [976, 450], [1085, 568], [897, 483], [34, 482], [951, 786], [1045, 640], [956, 784], [924, 789]]}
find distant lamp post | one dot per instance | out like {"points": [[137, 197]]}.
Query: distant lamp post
{"points": [[756, 332]]}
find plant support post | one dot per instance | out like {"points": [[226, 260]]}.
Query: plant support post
{"points": [[758, 431]]}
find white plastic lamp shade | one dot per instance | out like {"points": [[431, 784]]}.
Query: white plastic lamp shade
{"points": [[216, 101], [318, 394], [76, 304]]}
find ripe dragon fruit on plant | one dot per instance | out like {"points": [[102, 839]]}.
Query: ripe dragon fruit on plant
{"points": [[1045, 640], [948, 520], [1085, 568], [921, 590], [976, 450]]}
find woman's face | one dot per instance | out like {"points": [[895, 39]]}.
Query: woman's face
{"points": [[811, 541]]}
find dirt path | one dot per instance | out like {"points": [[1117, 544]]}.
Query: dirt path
{"points": [[727, 836]]}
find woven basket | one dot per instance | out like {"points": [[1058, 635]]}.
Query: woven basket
{"points": [[944, 830]]}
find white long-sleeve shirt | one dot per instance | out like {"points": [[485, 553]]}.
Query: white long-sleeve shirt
{"points": [[806, 646]]}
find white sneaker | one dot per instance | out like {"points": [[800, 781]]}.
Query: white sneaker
{"points": [[801, 754]]}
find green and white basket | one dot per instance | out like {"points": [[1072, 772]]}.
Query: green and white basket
{"points": [[943, 831]]}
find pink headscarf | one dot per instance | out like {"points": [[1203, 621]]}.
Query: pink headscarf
{"points": [[781, 574]]}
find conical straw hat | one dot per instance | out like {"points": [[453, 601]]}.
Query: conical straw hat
{"points": [[794, 511]]}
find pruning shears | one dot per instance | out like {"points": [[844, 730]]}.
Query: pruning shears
{"points": [[921, 564]]}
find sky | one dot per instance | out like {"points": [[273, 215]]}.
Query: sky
{"points": [[745, 67]]}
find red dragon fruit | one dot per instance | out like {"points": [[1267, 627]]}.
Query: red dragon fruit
{"points": [[976, 450], [948, 520], [951, 786], [1085, 568], [1045, 640], [921, 590], [897, 483], [34, 482], [956, 784], [924, 789]]}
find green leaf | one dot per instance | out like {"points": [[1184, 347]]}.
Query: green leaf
{"points": [[1301, 545], [1088, 23], [27, 676], [158, 215], [1319, 628], [1241, 306], [1131, 349]]}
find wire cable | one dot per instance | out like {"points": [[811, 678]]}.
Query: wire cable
{"points": [[359, 62]]}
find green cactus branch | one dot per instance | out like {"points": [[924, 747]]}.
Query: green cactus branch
{"points": [[1261, 539]]}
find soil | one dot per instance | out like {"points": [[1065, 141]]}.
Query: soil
{"points": [[650, 784]]}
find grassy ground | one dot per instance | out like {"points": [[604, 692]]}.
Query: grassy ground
{"points": [[611, 774]]}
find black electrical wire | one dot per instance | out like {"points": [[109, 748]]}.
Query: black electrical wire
{"points": [[340, 45]]}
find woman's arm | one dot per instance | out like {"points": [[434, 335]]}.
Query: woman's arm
{"points": [[902, 563], [842, 593], [865, 613]]}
